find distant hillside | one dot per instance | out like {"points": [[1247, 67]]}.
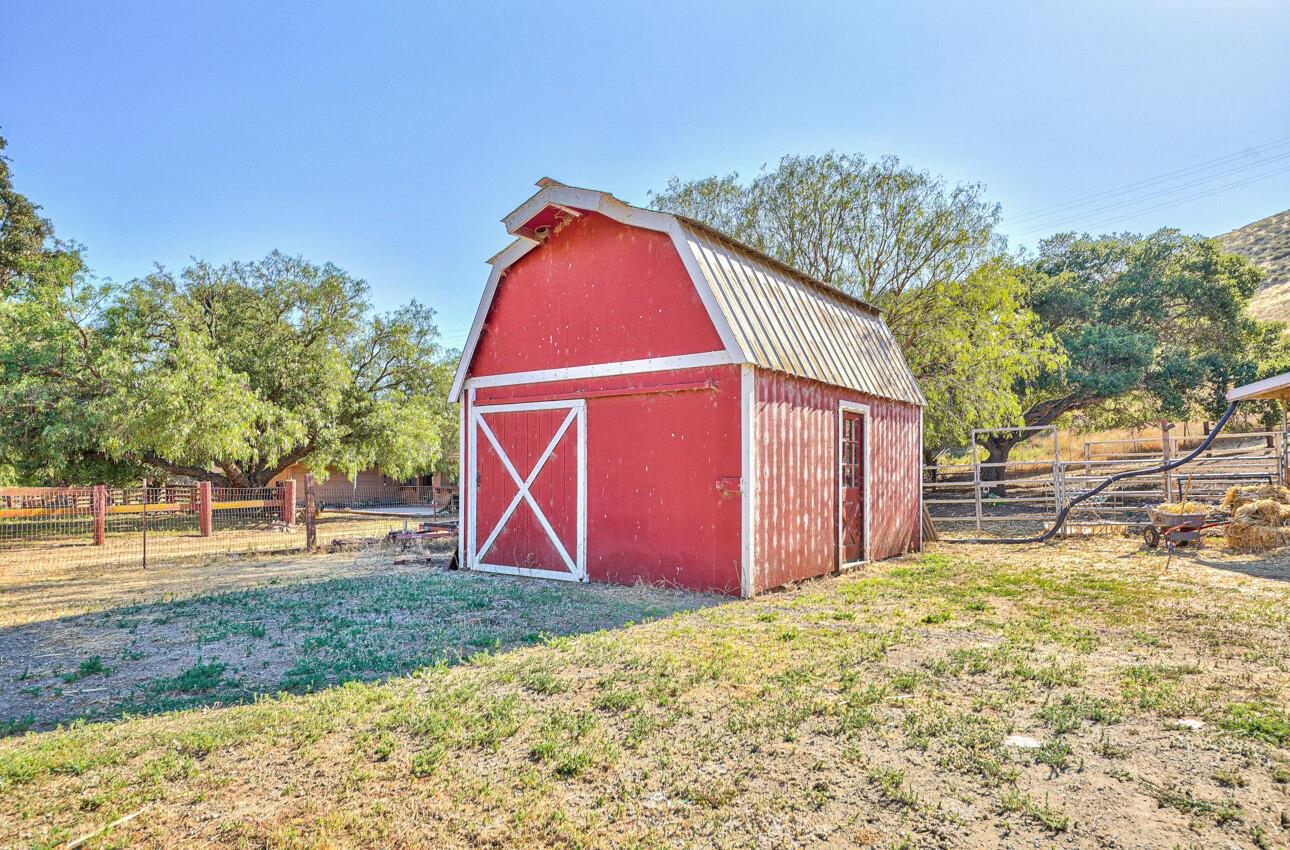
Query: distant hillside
{"points": [[1266, 243]]}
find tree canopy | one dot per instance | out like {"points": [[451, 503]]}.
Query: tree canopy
{"points": [[225, 373], [1151, 327], [922, 251], [1118, 329]]}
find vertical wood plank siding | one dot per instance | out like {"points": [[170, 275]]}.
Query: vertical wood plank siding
{"points": [[796, 510]]}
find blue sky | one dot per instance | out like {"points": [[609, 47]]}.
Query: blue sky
{"points": [[391, 137]]}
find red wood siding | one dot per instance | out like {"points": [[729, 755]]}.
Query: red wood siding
{"points": [[595, 292], [796, 445], [663, 503]]}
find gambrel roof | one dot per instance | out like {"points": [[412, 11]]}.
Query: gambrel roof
{"points": [[766, 313]]}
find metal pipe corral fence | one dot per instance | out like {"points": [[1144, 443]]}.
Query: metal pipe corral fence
{"points": [[1033, 493]]}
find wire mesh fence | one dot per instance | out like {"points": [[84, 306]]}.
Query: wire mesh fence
{"points": [[442, 499], [106, 526]]}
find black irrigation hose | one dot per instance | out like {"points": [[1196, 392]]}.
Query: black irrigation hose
{"points": [[1156, 470]]}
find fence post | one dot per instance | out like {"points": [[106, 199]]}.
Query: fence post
{"points": [[1059, 497], [289, 501], [205, 509], [1284, 447], [311, 508], [1165, 450], [144, 502], [100, 514], [976, 479]]}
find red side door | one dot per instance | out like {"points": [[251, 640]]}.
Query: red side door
{"points": [[852, 481], [528, 470]]}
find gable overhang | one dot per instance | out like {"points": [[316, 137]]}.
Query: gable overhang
{"points": [[555, 203]]}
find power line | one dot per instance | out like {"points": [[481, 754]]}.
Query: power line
{"points": [[1199, 195], [1177, 201], [1043, 225], [1150, 181]]}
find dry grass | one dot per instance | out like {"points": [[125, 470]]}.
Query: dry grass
{"points": [[1184, 508], [1266, 243], [1260, 517], [871, 709], [1238, 497]]}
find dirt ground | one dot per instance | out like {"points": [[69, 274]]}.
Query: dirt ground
{"points": [[1074, 695]]}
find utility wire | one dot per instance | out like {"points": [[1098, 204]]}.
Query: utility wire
{"points": [[1097, 211], [1151, 181], [1173, 203]]}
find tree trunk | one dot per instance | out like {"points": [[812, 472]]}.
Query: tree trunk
{"points": [[998, 447]]}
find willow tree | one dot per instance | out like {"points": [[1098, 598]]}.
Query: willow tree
{"points": [[227, 374], [924, 252]]}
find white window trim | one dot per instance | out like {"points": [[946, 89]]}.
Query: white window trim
{"points": [[577, 419], [863, 410]]}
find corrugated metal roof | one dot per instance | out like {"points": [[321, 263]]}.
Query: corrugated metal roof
{"points": [[790, 323]]}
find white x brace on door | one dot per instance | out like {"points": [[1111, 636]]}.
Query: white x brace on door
{"points": [[527, 511]]}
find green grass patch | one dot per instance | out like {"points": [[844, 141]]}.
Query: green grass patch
{"points": [[1260, 722]]}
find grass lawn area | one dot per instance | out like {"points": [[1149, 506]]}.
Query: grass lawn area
{"points": [[200, 634], [967, 697]]}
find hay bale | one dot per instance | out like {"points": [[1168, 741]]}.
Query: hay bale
{"points": [[1260, 525], [1238, 497], [1184, 508], [1257, 538]]}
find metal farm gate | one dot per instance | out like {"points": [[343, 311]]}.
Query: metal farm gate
{"points": [[1030, 492]]}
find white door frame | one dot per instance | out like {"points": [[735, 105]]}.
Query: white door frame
{"points": [[577, 418], [863, 410]]}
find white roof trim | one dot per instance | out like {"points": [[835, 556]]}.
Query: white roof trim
{"points": [[500, 262], [504, 257]]}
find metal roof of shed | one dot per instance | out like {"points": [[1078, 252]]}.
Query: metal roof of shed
{"points": [[766, 312]]}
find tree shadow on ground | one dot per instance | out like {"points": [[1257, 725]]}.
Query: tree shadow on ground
{"points": [[230, 647]]}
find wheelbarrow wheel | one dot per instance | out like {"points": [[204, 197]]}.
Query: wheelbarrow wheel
{"points": [[1151, 535]]}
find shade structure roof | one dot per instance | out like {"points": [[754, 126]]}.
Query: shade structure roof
{"points": [[1276, 387], [766, 313]]}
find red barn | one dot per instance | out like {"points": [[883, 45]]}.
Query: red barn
{"points": [[645, 399]]}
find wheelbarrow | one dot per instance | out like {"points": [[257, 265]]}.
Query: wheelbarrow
{"points": [[1179, 529]]}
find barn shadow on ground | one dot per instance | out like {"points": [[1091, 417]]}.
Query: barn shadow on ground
{"points": [[295, 636]]}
